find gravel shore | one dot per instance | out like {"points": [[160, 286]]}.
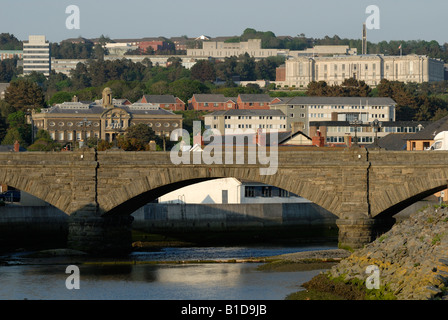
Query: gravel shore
{"points": [[323, 255]]}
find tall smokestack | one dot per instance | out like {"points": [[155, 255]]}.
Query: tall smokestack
{"points": [[364, 39]]}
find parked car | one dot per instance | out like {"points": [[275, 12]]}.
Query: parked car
{"points": [[10, 196]]}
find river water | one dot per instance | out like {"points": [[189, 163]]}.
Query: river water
{"points": [[46, 280]]}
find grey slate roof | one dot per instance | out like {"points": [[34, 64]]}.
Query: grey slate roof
{"points": [[372, 101], [247, 112], [430, 131], [97, 109], [393, 141], [164, 98], [213, 98], [256, 98], [10, 148]]}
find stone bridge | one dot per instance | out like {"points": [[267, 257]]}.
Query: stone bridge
{"points": [[99, 190]]}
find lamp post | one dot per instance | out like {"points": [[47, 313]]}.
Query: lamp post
{"points": [[376, 124], [356, 123]]}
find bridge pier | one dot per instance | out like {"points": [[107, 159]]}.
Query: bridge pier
{"points": [[355, 233], [100, 235]]}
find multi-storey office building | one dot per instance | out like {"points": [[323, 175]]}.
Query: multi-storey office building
{"points": [[343, 132], [265, 120], [36, 55], [370, 68], [300, 111]]}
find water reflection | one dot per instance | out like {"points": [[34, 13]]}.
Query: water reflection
{"points": [[209, 281]]}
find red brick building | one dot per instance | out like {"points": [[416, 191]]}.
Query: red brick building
{"points": [[280, 73], [155, 45], [168, 102], [211, 102], [255, 101]]}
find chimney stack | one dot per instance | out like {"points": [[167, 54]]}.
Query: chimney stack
{"points": [[16, 146]]}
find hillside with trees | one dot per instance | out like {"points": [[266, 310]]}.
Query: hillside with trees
{"points": [[131, 80]]}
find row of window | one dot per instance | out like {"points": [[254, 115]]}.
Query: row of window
{"points": [[255, 126], [70, 124], [266, 192], [341, 139], [69, 136], [343, 107], [109, 123], [370, 129], [250, 117]]}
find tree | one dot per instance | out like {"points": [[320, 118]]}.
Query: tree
{"points": [[24, 94], [185, 88], [9, 42], [44, 142], [203, 70], [17, 122], [137, 138], [60, 97], [13, 135], [8, 70]]}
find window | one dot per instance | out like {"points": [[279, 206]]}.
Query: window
{"points": [[283, 193], [266, 192], [249, 192]]}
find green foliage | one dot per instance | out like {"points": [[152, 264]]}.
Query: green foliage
{"points": [[60, 97], [44, 142], [9, 70], [24, 94], [137, 138], [13, 135], [348, 88], [9, 42]]}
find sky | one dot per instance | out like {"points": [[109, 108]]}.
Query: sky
{"points": [[398, 19]]}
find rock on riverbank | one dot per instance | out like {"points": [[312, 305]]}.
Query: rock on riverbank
{"points": [[412, 258]]}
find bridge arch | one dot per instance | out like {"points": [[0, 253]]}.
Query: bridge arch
{"points": [[393, 200], [143, 189], [55, 196]]}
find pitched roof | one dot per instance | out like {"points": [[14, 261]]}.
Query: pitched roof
{"points": [[247, 112], [337, 100], [212, 98], [163, 98], [255, 97], [392, 141], [431, 130]]}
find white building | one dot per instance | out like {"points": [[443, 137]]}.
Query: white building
{"points": [[300, 111], [230, 191], [243, 119], [370, 68], [36, 55], [65, 65]]}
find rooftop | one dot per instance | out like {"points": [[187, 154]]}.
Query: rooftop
{"points": [[337, 100], [247, 112]]}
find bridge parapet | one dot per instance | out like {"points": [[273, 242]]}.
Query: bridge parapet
{"points": [[355, 184]]}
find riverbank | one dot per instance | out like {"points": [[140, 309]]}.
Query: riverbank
{"points": [[412, 262]]}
